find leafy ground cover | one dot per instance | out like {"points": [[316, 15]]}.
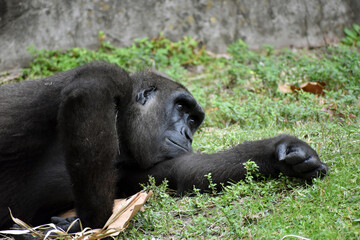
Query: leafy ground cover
{"points": [[240, 94]]}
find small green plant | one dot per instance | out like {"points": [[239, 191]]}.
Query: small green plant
{"points": [[352, 36], [212, 185], [252, 171], [158, 53]]}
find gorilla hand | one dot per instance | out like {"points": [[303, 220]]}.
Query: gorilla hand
{"points": [[70, 224], [297, 159]]}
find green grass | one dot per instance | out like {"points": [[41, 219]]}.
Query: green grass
{"points": [[242, 102]]}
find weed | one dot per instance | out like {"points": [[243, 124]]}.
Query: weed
{"points": [[352, 36]]}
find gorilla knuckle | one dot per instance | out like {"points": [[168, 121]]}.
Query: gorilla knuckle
{"points": [[309, 164], [322, 170], [293, 158]]}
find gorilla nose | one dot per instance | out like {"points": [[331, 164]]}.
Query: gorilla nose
{"points": [[186, 132]]}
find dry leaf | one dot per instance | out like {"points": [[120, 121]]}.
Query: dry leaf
{"points": [[123, 211], [219, 55], [313, 87], [352, 116], [9, 77], [70, 213], [285, 88]]}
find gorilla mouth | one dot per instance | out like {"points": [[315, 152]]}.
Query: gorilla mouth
{"points": [[172, 142]]}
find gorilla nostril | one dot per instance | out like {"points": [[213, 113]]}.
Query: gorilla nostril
{"points": [[185, 132], [182, 131], [188, 135]]}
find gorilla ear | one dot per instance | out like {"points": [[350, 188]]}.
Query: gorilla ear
{"points": [[145, 94]]}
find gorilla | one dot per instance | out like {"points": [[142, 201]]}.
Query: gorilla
{"points": [[83, 137]]}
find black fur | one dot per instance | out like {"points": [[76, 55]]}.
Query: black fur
{"points": [[83, 137]]}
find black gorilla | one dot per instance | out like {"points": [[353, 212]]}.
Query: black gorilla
{"points": [[83, 137]]}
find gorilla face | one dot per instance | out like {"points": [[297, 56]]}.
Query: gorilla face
{"points": [[164, 117], [185, 117]]}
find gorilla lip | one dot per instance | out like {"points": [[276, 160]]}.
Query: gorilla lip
{"points": [[176, 144]]}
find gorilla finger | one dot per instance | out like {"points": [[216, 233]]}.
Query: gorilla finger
{"points": [[281, 151], [295, 157], [65, 223], [58, 220], [321, 172], [307, 165]]}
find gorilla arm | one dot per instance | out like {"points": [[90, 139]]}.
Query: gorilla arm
{"points": [[283, 153], [89, 137]]}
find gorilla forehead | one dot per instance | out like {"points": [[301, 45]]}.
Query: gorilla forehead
{"points": [[152, 77]]}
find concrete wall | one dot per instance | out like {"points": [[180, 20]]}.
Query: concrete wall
{"points": [[63, 24]]}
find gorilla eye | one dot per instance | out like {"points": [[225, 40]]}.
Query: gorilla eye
{"points": [[179, 107], [192, 121]]}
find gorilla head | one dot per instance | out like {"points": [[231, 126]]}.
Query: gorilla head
{"points": [[156, 100]]}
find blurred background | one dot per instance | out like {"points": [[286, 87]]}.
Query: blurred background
{"points": [[52, 24]]}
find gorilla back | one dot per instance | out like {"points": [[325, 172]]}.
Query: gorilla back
{"points": [[82, 137], [34, 180]]}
